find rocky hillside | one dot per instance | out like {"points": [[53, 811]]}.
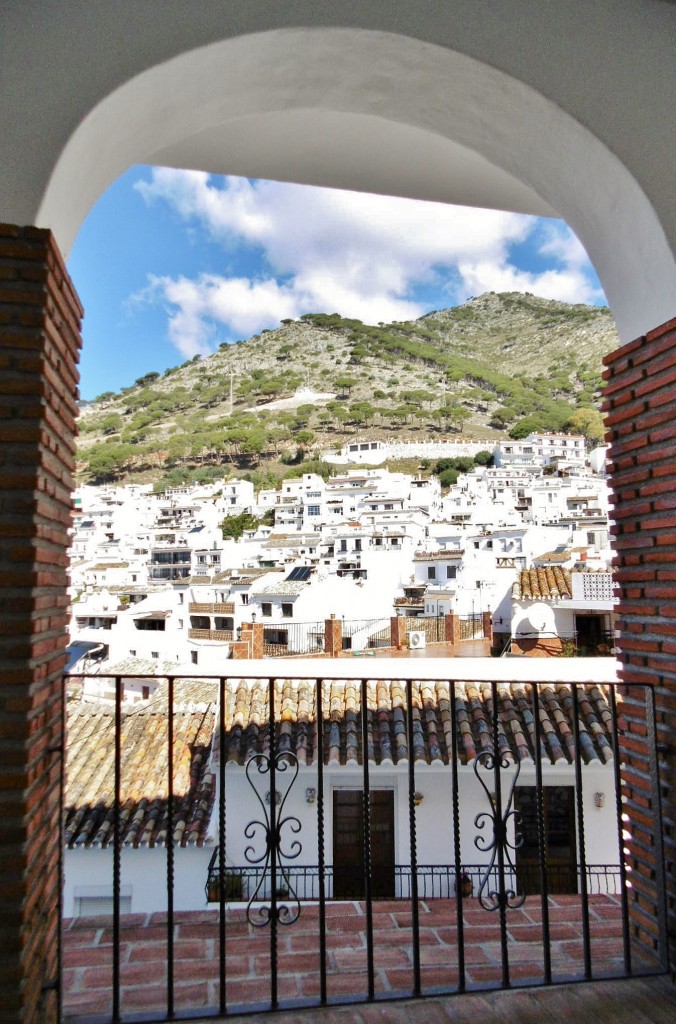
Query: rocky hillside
{"points": [[498, 364]]}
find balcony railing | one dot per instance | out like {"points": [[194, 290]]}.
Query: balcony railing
{"points": [[311, 832], [433, 881], [211, 607], [211, 634], [284, 639]]}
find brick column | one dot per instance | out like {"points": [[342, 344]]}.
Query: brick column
{"points": [[39, 341], [239, 650], [398, 631], [640, 395], [452, 628], [257, 640], [333, 636]]}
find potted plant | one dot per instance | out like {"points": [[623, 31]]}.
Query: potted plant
{"points": [[233, 886], [465, 883]]}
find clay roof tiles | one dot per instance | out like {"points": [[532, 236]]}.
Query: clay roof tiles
{"points": [[548, 583], [89, 801], [144, 785], [247, 730]]}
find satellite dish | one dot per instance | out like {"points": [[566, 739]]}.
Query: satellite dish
{"points": [[539, 615]]}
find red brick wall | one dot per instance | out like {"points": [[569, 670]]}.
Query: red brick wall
{"points": [[452, 629], [397, 631], [39, 342], [640, 397], [333, 636], [538, 647]]}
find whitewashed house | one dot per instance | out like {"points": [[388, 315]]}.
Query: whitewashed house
{"points": [[449, 723]]}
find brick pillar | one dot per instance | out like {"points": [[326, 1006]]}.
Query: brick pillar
{"points": [[257, 640], [640, 394], [487, 623], [452, 628], [398, 631], [239, 650], [333, 636], [40, 319]]}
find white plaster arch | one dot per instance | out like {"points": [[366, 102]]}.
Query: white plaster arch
{"points": [[380, 112]]}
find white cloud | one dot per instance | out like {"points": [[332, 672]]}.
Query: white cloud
{"points": [[567, 285], [355, 254], [195, 307]]}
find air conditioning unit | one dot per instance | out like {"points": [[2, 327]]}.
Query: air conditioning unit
{"points": [[416, 639]]}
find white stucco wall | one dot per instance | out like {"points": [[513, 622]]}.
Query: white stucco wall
{"points": [[144, 871], [441, 102]]}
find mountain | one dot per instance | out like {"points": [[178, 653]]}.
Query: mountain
{"points": [[498, 363]]}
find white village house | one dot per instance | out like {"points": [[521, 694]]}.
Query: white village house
{"points": [[443, 720]]}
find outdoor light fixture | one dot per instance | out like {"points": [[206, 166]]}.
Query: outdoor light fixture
{"points": [[599, 799], [278, 797], [418, 797], [253, 617], [310, 795]]}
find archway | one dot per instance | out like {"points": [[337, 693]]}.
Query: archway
{"points": [[254, 104], [401, 117]]}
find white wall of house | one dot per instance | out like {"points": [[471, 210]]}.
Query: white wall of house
{"points": [[89, 872]]}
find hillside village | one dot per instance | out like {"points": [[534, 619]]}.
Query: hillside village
{"points": [[515, 552]]}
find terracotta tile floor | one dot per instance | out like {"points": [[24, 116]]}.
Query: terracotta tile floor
{"points": [[88, 955]]}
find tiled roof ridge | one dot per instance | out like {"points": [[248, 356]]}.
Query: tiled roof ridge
{"points": [[543, 583], [247, 727]]}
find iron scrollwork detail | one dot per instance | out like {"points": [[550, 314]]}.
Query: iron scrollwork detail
{"points": [[501, 867], [279, 846]]}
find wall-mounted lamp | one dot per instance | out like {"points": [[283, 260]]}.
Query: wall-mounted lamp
{"points": [[599, 799], [310, 795], [278, 797], [253, 616], [418, 797]]}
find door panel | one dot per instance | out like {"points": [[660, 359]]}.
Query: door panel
{"points": [[348, 844], [559, 835]]}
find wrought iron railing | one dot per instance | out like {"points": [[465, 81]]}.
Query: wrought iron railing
{"points": [[282, 639], [471, 627], [455, 745], [434, 627], [362, 634], [433, 881]]}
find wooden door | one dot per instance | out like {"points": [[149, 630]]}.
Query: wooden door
{"points": [[559, 835], [348, 844]]}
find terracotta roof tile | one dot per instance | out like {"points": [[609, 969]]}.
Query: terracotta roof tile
{"points": [[89, 792], [144, 783], [544, 584], [247, 731]]}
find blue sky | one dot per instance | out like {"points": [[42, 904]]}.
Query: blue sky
{"points": [[169, 264]]}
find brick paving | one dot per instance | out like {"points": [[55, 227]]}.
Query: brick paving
{"points": [[143, 954]]}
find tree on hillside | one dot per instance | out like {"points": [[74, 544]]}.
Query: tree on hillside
{"points": [[234, 526], [148, 378], [304, 414], [589, 423], [344, 385], [304, 439], [502, 417], [362, 412]]}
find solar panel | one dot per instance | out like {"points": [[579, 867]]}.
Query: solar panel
{"points": [[300, 573]]}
